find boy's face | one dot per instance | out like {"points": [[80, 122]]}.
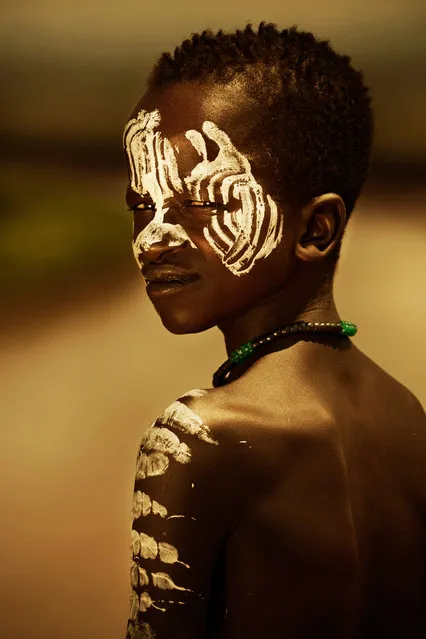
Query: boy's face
{"points": [[207, 235]]}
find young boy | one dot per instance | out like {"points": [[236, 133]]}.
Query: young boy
{"points": [[289, 499]]}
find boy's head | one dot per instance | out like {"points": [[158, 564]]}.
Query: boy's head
{"points": [[307, 119], [246, 154]]}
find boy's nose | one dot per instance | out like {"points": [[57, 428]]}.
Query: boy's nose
{"points": [[158, 240]]}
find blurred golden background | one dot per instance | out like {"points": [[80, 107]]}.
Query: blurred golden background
{"points": [[86, 364]]}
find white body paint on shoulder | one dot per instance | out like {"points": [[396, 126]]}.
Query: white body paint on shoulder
{"points": [[138, 630], [195, 392], [149, 548], [161, 443], [142, 505], [181, 417], [163, 581], [160, 446], [238, 237]]}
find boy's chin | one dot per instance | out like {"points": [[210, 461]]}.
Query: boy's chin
{"points": [[185, 323]]}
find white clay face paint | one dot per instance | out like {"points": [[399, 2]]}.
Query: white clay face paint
{"points": [[235, 236], [154, 173], [239, 237]]}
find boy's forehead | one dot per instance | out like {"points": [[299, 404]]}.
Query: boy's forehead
{"points": [[185, 107]]}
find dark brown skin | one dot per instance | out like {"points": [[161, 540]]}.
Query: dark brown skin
{"points": [[308, 518], [333, 544]]}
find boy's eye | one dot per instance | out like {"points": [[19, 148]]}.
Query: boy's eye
{"points": [[142, 206], [205, 204], [197, 204]]}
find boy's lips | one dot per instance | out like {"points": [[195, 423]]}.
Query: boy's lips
{"points": [[164, 276], [167, 286], [162, 280]]}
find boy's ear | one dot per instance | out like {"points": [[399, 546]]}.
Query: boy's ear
{"points": [[322, 223]]}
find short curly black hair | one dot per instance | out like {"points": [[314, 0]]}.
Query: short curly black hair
{"points": [[314, 118]]}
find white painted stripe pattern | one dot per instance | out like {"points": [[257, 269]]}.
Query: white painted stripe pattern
{"points": [[239, 237], [162, 440]]}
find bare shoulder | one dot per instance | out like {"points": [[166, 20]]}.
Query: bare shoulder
{"points": [[266, 445], [292, 508], [193, 443], [288, 463], [178, 437], [289, 471], [182, 512], [384, 411], [390, 424], [387, 389]]}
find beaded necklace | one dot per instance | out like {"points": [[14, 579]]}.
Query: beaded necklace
{"points": [[344, 329]]}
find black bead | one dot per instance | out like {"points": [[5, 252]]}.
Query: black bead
{"points": [[220, 377]]}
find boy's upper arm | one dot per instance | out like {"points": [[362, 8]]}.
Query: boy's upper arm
{"points": [[180, 519]]}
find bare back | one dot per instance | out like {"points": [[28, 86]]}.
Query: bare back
{"points": [[336, 544], [289, 503]]}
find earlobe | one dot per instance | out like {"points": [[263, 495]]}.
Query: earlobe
{"points": [[323, 222]]}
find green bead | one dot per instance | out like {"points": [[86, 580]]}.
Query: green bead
{"points": [[349, 329], [242, 352]]}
